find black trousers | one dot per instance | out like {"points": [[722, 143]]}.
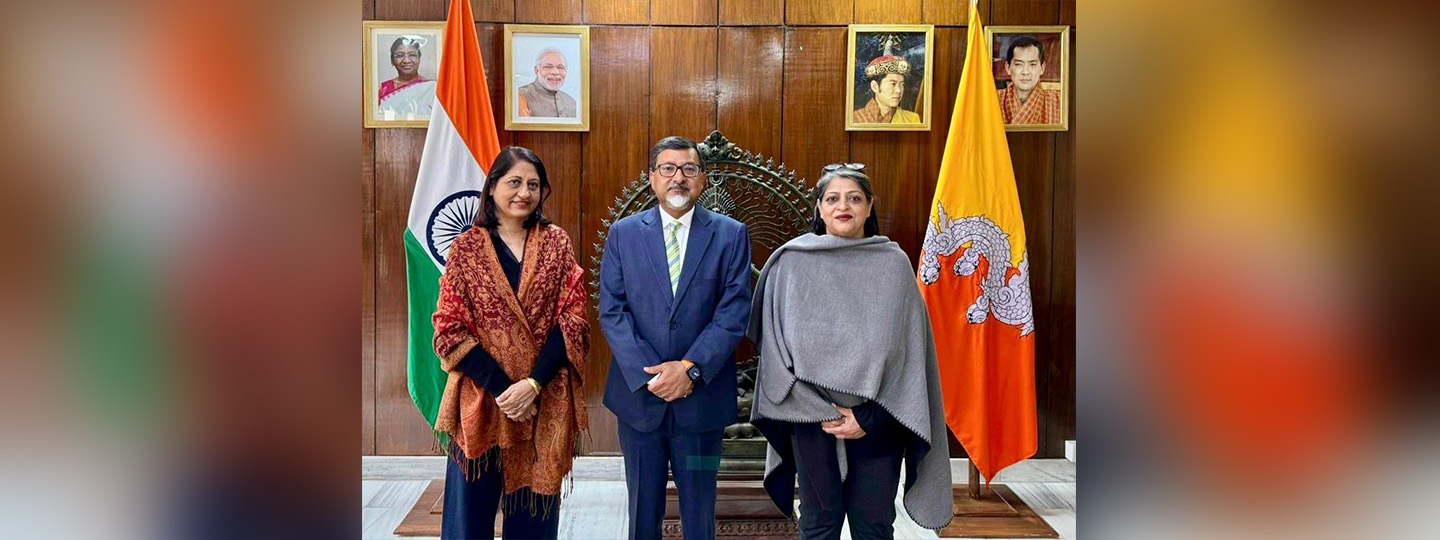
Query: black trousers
{"points": [[470, 505], [866, 496]]}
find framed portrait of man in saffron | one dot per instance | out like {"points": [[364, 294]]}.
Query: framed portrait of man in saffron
{"points": [[887, 77], [547, 78], [401, 62], [1032, 76]]}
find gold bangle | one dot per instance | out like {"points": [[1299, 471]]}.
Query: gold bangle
{"points": [[533, 384]]}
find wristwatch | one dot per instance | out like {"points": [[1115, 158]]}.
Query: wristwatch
{"points": [[693, 373]]}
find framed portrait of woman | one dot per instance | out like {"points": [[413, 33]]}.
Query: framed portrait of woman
{"points": [[547, 77], [887, 77], [402, 59]]}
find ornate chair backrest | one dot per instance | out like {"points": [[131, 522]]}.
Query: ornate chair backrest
{"points": [[750, 188]]}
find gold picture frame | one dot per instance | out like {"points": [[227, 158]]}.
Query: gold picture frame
{"points": [[1052, 39], [407, 106], [547, 94], [901, 44]]}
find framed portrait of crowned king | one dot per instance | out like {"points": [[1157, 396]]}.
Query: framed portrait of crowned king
{"points": [[1032, 76], [547, 78], [887, 77], [401, 61]]}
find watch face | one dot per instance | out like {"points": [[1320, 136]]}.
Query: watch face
{"points": [[694, 373]]}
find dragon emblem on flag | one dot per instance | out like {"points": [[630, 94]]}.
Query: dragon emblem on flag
{"points": [[1008, 301]]}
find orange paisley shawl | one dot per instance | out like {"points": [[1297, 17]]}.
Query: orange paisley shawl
{"points": [[477, 307]]}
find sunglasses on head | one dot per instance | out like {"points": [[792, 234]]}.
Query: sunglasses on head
{"points": [[837, 166]]}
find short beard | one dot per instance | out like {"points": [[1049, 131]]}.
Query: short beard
{"points": [[677, 201]]}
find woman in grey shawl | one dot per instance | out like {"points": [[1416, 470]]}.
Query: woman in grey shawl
{"points": [[847, 391]]}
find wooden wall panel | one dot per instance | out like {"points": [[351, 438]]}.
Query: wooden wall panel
{"points": [[399, 428], [948, 63], [893, 163], [1032, 154], [1024, 12], [492, 51], [771, 89], [494, 10], [367, 9], [410, 10], [616, 12], [887, 11], [682, 81], [548, 11], [813, 94], [560, 151], [686, 12], [752, 12], [1060, 362], [367, 334], [603, 439], [752, 62], [367, 291], [434, 10], [617, 147], [819, 12], [948, 12], [367, 179]]}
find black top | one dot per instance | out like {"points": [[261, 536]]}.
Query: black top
{"points": [[873, 419], [883, 436], [483, 368]]}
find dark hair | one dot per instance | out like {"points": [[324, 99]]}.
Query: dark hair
{"points": [[503, 163], [872, 224], [675, 143], [403, 40], [1023, 41]]}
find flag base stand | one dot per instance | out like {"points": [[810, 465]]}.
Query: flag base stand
{"points": [[993, 512]]}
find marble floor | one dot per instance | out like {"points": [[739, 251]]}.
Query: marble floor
{"points": [[596, 508]]}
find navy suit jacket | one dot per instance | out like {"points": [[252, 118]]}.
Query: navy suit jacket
{"points": [[702, 321]]}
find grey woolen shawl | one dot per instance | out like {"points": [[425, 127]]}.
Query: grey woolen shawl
{"points": [[841, 321]]}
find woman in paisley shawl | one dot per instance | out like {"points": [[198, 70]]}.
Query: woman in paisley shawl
{"points": [[510, 329]]}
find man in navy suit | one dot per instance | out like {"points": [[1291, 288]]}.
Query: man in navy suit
{"points": [[674, 303]]}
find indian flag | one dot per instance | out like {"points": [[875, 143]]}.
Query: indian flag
{"points": [[460, 142]]}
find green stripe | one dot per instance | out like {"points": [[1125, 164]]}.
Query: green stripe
{"points": [[426, 379], [672, 254]]}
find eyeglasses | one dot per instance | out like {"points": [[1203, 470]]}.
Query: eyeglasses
{"points": [[690, 170], [837, 166]]}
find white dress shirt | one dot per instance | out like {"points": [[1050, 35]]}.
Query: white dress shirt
{"points": [[682, 236]]}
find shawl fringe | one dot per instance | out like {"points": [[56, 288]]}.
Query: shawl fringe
{"points": [[477, 307]]}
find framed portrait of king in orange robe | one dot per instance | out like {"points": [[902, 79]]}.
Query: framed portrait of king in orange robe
{"points": [[887, 77], [1032, 76]]}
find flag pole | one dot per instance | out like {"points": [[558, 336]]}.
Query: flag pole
{"points": [[977, 491], [984, 510]]}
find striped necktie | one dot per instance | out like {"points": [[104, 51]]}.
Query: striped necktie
{"points": [[672, 255]]}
